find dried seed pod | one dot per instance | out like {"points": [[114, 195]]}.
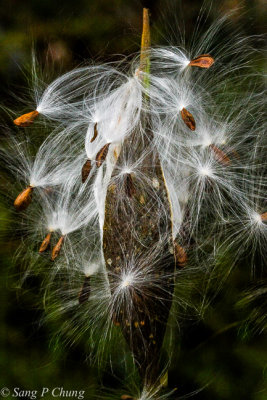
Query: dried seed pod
{"points": [[26, 119], [101, 155], [24, 199], [57, 248], [87, 166], [129, 185], [202, 61], [179, 254], [45, 243], [220, 155], [264, 216], [95, 133], [188, 119], [84, 293]]}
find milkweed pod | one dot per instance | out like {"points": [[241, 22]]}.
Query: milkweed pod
{"points": [[95, 133], [84, 293], [180, 255], [202, 61], [264, 216], [57, 248], [101, 155], [87, 166], [23, 199], [45, 243], [220, 155], [26, 119], [129, 185], [188, 119]]}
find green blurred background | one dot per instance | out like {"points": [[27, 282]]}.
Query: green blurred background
{"points": [[215, 352]]}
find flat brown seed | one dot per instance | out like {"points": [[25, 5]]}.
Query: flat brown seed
{"points": [[264, 216], [101, 155], [180, 254], [127, 397], [84, 293], [23, 199], [188, 119], [87, 166], [26, 119], [95, 133], [203, 61], [129, 185], [220, 155], [57, 248], [45, 243]]}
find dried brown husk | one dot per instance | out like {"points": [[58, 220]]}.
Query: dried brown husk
{"points": [[101, 155], [57, 248], [84, 293], [188, 119], [45, 243], [26, 119], [86, 169], [24, 199], [202, 61], [220, 155]]}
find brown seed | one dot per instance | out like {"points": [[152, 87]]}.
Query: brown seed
{"points": [[95, 133], [101, 155], [84, 293], [45, 243], [129, 185], [86, 170], [264, 216], [203, 61], [127, 397], [57, 248], [188, 119], [23, 199], [180, 254], [220, 155], [26, 119]]}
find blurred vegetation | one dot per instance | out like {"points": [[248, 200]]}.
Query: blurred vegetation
{"points": [[216, 353]]}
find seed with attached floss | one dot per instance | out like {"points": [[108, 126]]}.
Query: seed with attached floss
{"points": [[180, 254], [45, 243], [24, 199], [95, 133], [220, 155], [84, 293], [26, 119], [129, 185], [188, 119], [202, 61], [86, 170], [101, 155], [57, 248]]}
